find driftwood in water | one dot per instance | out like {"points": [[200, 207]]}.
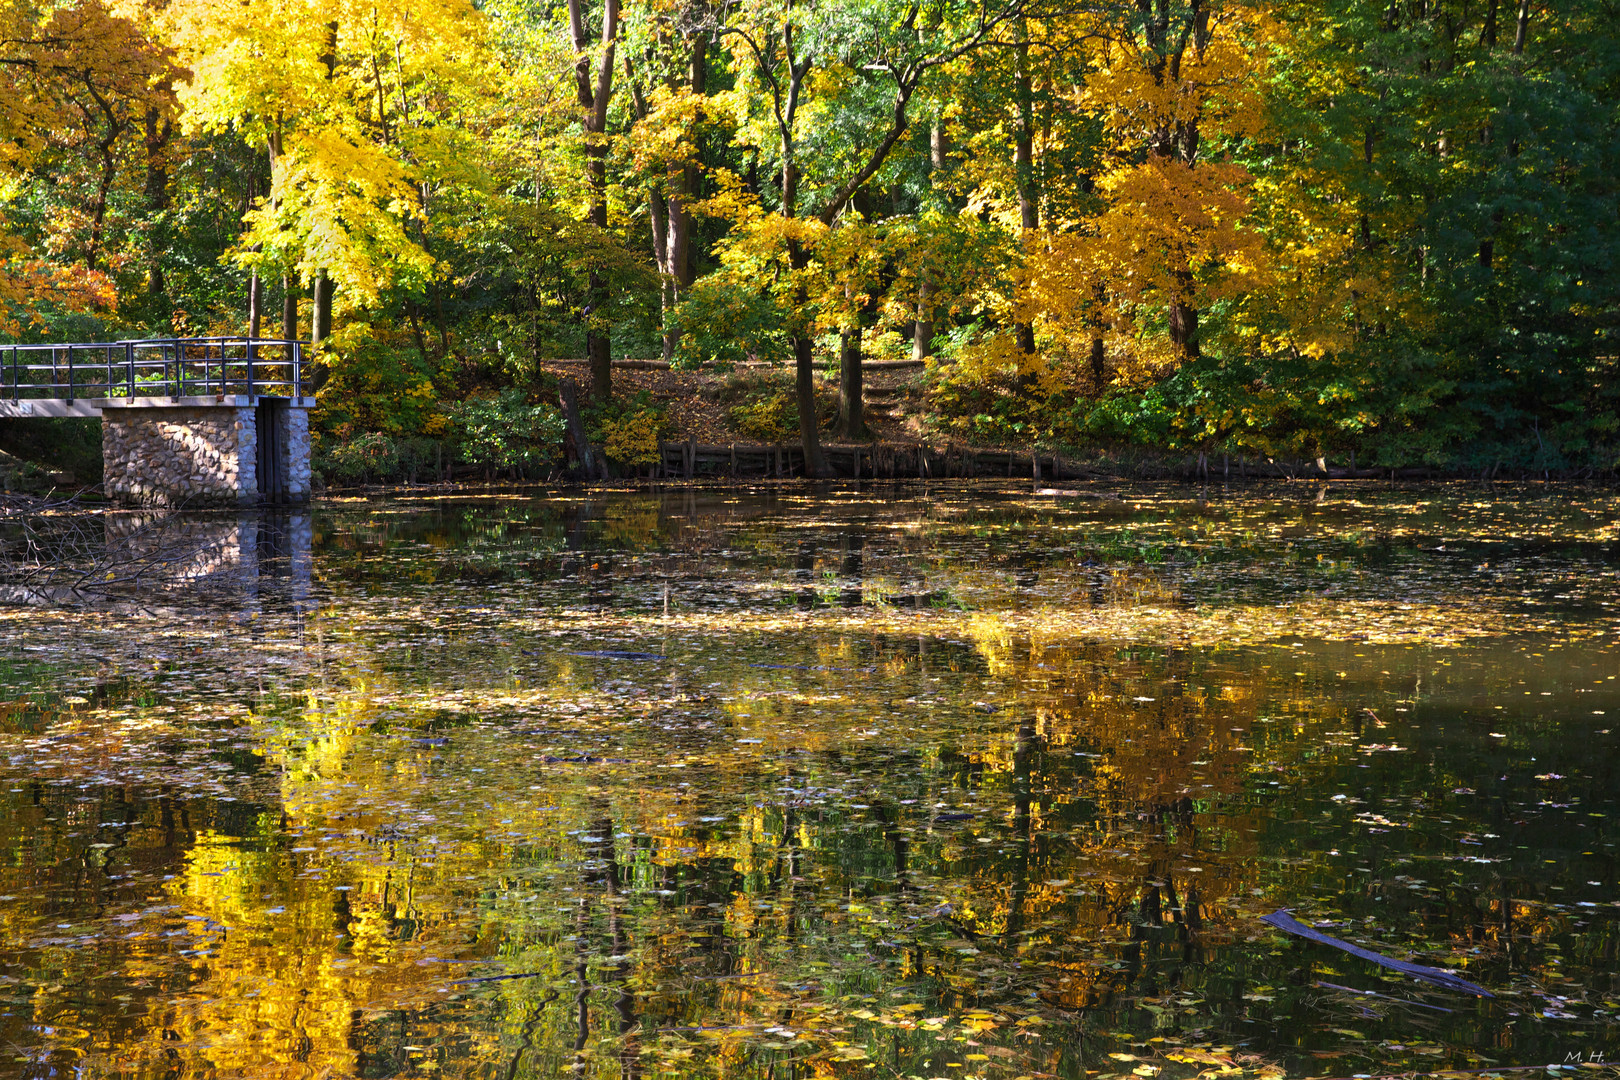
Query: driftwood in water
{"points": [[1286, 922]]}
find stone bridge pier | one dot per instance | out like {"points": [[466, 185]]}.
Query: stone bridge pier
{"points": [[227, 450]]}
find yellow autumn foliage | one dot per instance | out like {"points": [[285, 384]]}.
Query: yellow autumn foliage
{"points": [[343, 96]]}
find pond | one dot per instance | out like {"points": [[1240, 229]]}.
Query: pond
{"points": [[851, 781]]}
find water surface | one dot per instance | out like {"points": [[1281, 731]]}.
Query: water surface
{"points": [[850, 782]]}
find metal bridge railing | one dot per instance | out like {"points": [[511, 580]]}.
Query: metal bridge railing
{"points": [[153, 367]]}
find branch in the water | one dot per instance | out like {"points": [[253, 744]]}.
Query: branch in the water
{"points": [[1286, 922]]}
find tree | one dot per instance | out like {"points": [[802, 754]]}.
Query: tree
{"points": [[1172, 85], [76, 86], [870, 59], [350, 103], [668, 73], [594, 91], [1422, 190]]}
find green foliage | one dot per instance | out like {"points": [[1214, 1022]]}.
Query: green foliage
{"points": [[728, 319], [31, 450], [535, 267], [507, 432], [1469, 172], [371, 456]]}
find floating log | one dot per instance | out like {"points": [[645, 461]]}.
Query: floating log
{"points": [[1282, 920]]}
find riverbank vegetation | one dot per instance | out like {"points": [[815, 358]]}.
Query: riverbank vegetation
{"points": [[1367, 233]]}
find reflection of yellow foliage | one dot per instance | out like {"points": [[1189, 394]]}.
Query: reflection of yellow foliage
{"points": [[630, 524], [1108, 794]]}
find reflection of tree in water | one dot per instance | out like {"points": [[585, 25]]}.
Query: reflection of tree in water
{"points": [[804, 572], [1012, 826], [793, 901]]}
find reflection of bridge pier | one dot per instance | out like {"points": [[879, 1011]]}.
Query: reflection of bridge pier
{"points": [[149, 556], [244, 555]]}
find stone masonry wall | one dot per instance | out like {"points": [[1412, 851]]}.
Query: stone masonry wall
{"points": [[182, 455], [295, 452]]}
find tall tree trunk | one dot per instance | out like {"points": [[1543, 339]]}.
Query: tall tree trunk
{"points": [[1029, 218], [1184, 318], [158, 131], [1184, 305], [98, 202], [1099, 349], [320, 310], [658, 218], [289, 289], [804, 368], [593, 100], [439, 320], [804, 371], [851, 407], [568, 398], [922, 328], [255, 282], [414, 315], [329, 50], [255, 305], [599, 350], [289, 308], [320, 315], [677, 268]]}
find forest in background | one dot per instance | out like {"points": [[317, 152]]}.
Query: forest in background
{"points": [[1374, 231]]}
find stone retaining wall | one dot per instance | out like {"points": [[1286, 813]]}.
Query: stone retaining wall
{"points": [[185, 455]]}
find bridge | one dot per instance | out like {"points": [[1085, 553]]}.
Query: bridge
{"points": [[198, 421]]}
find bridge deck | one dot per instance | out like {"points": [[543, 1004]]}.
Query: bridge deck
{"points": [[37, 408]]}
